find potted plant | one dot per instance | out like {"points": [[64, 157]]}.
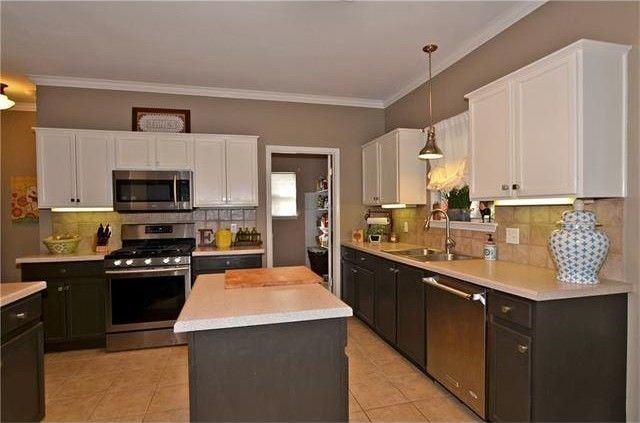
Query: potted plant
{"points": [[375, 232], [458, 204]]}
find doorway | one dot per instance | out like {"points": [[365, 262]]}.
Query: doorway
{"points": [[302, 213]]}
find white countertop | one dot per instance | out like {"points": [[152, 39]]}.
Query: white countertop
{"points": [[534, 283], [10, 292], [59, 258], [211, 306], [232, 251]]}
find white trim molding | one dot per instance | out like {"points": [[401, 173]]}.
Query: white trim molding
{"points": [[499, 24], [152, 87], [23, 107], [467, 226]]}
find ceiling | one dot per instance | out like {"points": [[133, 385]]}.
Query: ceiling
{"points": [[358, 53]]}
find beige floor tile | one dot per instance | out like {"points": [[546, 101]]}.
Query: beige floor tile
{"points": [[354, 407], [396, 413], [71, 409], [133, 378], [73, 355], [169, 416], [445, 410], [178, 356], [80, 386], [173, 375], [170, 397], [396, 365], [417, 386], [123, 419], [107, 363], [63, 368], [375, 395], [358, 417], [121, 403]]}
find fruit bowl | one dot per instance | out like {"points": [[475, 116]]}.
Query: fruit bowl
{"points": [[62, 244]]}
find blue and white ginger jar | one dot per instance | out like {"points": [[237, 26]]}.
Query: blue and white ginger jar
{"points": [[578, 248]]}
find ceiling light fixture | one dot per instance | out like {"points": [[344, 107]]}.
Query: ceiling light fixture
{"points": [[430, 150], [5, 102]]}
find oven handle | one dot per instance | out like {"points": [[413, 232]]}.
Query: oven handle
{"points": [[469, 297], [175, 189], [153, 270]]}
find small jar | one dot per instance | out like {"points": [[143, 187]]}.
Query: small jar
{"points": [[490, 249]]}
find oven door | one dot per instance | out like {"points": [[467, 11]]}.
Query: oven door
{"points": [[152, 190], [146, 298]]}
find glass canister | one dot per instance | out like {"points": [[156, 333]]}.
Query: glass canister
{"points": [[578, 248]]}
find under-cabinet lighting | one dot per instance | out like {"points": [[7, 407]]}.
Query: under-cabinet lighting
{"points": [[82, 209], [394, 206], [535, 201]]}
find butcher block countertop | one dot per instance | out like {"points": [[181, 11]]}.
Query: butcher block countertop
{"points": [[534, 283], [10, 292], [59, 258], [211, 306], [231, 251]]}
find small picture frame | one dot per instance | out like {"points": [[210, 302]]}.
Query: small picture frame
{"points": [[357, 235], [173, 121], [375, 239]]}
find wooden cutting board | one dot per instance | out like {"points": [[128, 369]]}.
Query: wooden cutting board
{"points": [[272, 276]]}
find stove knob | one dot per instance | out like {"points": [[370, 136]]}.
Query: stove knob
{"points": [[129, 262], [147, 261], [117, 262], [176, 260], [166, 260]]}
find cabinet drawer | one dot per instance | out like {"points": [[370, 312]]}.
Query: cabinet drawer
{"points": [[365, 260], [40, 271], [511, 309], [348, 254], [222, 263], [21, 313]]}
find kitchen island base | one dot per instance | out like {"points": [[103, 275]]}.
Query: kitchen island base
{"points": [[278, 372]]}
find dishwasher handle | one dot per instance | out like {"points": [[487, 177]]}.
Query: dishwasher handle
{"points": [[469, 297]]}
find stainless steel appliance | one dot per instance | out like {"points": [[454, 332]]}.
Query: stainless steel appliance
{"points": [[146, 190], [456, 333], [148, 281]]}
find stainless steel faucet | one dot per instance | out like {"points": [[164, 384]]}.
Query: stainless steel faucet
{"points": [[449, 243]]}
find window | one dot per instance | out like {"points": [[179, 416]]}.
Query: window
{"points": [[283, 194]]}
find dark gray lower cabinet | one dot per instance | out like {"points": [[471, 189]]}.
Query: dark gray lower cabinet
{"points": [[202, 265], [365, 294], [22, 365], [411, 334], [348, 283], [385, 300], [73, 303]]}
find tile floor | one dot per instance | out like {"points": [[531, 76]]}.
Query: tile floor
{"points": [[152, 385]]}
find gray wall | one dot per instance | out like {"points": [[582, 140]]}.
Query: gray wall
{"points": [[289, 247], [552, 26]]}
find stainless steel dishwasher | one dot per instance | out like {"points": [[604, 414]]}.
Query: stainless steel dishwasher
{"points": [[456, 333]]}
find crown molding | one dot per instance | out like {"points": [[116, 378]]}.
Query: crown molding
{"points": [[24, 107], [151, 87], [496, 26]]}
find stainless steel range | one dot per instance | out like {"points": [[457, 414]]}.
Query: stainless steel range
{"points": [[148, 281]]}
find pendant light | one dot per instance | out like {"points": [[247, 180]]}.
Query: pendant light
{"points": [[430, 150], [5, 102]]}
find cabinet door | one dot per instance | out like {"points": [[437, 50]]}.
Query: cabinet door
{"points": [[56, 169], [209, 174], [94, 164], [365, 289], [385, 300], [546, 128], [388, 164], [370, 174], [490, 135], [23, 377], [174, 152], [86, 314], [509, 374], [242, 172], [54, 310], [348, 284], [411, 314], [135, 151]]}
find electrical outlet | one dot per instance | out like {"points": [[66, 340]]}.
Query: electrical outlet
{"points": [[405, 227], [513, 236], [234, 227]]}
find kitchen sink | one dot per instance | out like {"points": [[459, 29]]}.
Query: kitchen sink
{"points": [[428, 254]]}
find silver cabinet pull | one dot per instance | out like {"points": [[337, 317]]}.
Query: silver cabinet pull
{"points": [[21, 316], [505, 187], [175, 189], [522, 349], [515, 186], [60, 288], [391, 269], [505, 309]]}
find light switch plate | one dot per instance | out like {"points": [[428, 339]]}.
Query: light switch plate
{"points": [[405, 227], [513, 236], [234, 227]]}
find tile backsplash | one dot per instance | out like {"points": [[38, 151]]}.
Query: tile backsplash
{"points": [[535, 224], [86, 223]]}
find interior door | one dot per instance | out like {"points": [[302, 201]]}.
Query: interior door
{"points": [[388, 164], [370, 174], [94, 164], [209, 174], [56, 169], [330, 241], [174, 152], [242, 172]]}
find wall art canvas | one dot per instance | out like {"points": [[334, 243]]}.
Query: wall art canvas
{"points": [[161, 120], [24, 199]]}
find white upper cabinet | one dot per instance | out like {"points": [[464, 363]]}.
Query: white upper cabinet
{"points": [[226, 171], [135, 151], [392, 173], [174, 152], [554, 128], [74, 168]]}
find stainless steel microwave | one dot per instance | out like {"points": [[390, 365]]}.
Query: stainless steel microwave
{"points": [[152, 190]]}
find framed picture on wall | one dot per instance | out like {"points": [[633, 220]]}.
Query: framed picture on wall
{"points": [[146, 119]]}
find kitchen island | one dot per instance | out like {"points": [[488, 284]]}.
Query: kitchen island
{"points": [[265, 354]]}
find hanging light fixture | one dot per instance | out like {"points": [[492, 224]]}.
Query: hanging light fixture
{"points": [[430, 150], [5, 102]]}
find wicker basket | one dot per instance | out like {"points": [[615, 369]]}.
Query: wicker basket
{"points": [[62, 246]]}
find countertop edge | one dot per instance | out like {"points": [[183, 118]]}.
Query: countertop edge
{"points": [[44, 258], [535, 295], [29, 288]]}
